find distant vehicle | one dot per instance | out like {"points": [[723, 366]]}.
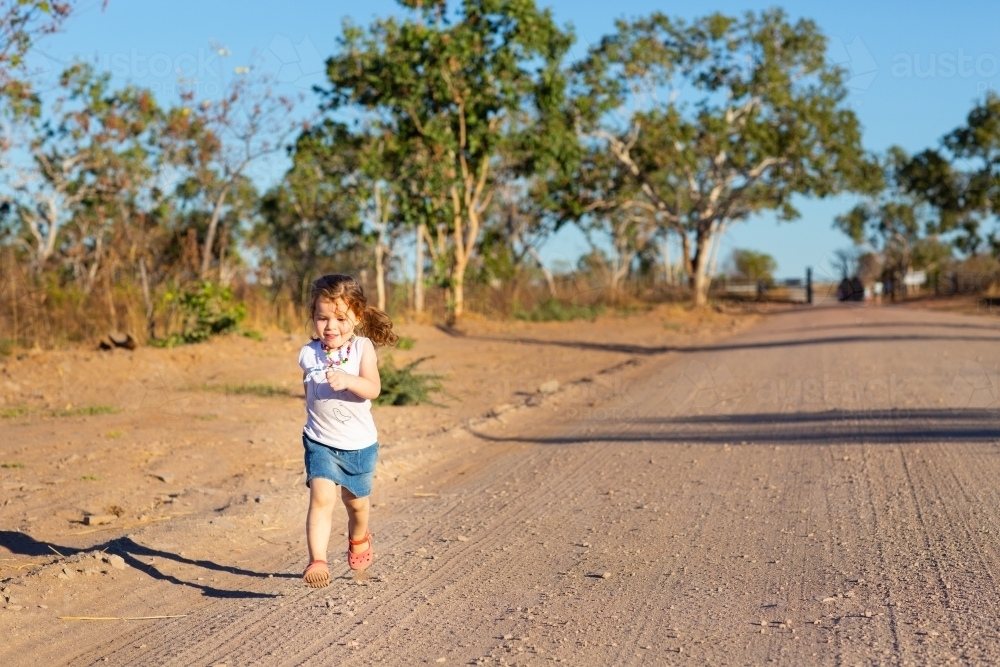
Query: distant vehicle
{"points": [[851, 289]]}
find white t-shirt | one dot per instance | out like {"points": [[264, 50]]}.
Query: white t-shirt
{"points": [[337, 419]]}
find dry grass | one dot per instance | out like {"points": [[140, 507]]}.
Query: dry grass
{"points": [[38, 312]]}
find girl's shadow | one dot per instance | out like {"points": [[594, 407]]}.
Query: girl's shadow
{"points": [[25, 545]]}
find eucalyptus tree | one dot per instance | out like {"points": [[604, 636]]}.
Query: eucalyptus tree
{"points": [[379, 186], [517, 228], [729, 117], [91, 165], [753, 265], [457, 89], [961, 179], [612, 206], [92, 204], [312, 214], [894, 222], [22, 22], [248, 123]]}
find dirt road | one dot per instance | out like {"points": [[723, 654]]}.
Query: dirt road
{"points": [[821, 489]]}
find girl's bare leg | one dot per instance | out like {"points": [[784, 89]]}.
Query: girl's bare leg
{"points": [[357, 518], [319, 520]]}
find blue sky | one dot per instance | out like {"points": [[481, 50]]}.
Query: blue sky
{"points": [[917, 68]]}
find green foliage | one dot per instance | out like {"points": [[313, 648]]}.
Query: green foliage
{"points": [[261, 389], [404, 386], [553, 310], [207, 310], [454, 100], [21, 23], [931, 254], [405, 343], [900, 222], [752, 265], [11, 465], [315, 212], [498, 262], [760, 117], [960, 181], [86, 411]]}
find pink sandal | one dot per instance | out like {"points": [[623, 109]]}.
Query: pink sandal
{"points": [[362, 560], [317, 574]]}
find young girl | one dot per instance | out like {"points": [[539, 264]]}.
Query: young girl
{"points": [[340, 373]]}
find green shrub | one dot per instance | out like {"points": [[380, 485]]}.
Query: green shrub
{"points": [[86, 411], [11, 465], [14, 413], [207, 310], [405, 343], [262, 389], [403, 386], [554, 310]]}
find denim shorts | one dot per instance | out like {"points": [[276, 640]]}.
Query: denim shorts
{"points": [[352, 469]]}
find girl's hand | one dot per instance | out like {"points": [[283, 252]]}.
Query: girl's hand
{"points": [[339, 380]]}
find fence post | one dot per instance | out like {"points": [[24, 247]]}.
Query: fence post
{"points": [[809, 285]]}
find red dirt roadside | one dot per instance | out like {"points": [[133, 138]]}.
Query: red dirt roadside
{"points": [[202, 489]]}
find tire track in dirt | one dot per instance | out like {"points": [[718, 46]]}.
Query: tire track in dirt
{"points": [[962, 562], [760, 505], [443, 573], [937, 587]]}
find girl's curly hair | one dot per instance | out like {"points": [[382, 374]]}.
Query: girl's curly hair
{"points": [[372, 322]]}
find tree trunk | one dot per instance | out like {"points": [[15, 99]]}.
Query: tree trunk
{"points": [[147, 299], [716, 245], [464, 240], [549, 278], [619, 270], [686, 262], [418, 280], [457, 298], [380, 271], [381, 249], [50, 236], [213, 225], [109, 291], [457, 301], [699, 277]]}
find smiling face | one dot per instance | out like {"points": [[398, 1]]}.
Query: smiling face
{"points": [[334, 322]]}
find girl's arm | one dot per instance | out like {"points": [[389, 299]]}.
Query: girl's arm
{"points": [[367, 385]]}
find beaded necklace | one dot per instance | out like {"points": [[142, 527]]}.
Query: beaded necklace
{"points": [[343, 353]]}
